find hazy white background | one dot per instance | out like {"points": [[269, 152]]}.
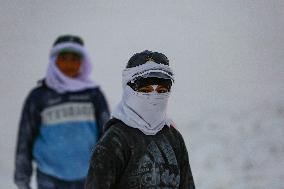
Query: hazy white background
{"points": [[228, 55]]}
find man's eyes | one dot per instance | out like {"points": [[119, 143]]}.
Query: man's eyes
{"points": [[145, 90], [151, 89], [162, 90]]}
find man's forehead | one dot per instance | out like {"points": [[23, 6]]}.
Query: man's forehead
{"points": [[69, 53]]}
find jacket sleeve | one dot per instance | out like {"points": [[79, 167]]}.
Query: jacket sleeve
{"points": [[186, 179], [101, 111], [27, 131], [108, 161]]}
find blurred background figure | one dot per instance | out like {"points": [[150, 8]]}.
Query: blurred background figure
{"points": [[62, 119]]}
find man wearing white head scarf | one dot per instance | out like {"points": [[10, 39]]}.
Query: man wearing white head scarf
{"points": [[62, 120], [141, 147]]}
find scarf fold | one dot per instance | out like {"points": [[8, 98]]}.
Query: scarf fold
{"points": [[144, 111], [56, 80]]}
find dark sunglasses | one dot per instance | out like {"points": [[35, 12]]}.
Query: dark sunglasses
{"points": [[143, 57]]}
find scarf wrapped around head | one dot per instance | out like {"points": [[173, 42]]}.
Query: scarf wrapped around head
{"points": [[61, 83], [146, 112]]}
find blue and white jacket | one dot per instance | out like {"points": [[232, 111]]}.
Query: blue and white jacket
{"points": [[58, 132]]}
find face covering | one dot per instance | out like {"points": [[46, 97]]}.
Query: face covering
{"points": [[144, 111]]}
